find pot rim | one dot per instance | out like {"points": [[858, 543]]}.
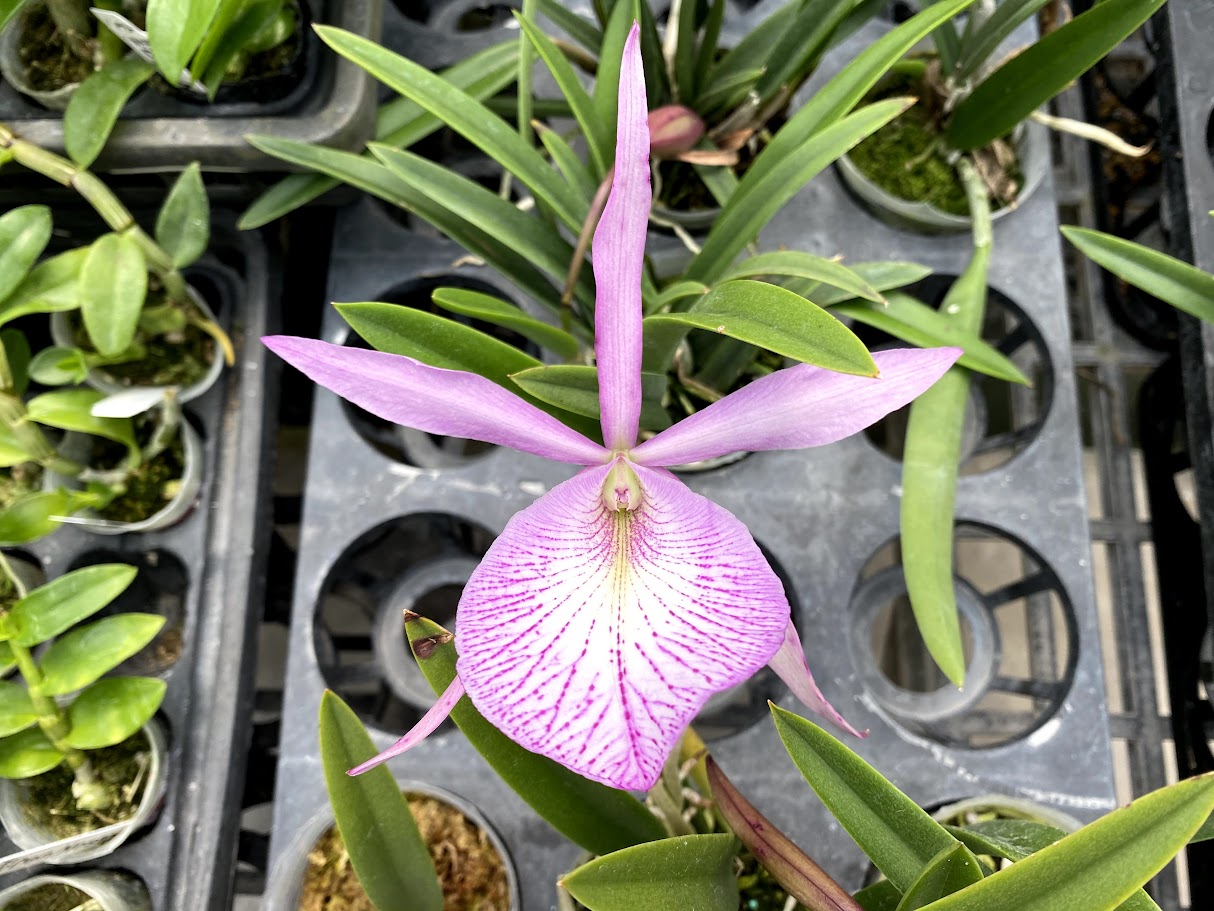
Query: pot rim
{"points": [[113, 890]]}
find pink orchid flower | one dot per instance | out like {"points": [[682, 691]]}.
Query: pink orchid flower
{"points": [[607, 613]]}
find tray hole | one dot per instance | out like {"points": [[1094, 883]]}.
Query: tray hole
{"points": [[1002, 418], [420, 562], [472, 16], [406, 444], [416, 10], [1018, 628], [734, 710], [159, 587]]}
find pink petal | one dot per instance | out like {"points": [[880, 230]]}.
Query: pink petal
{"points": [[424, 728], [798, 407], [593, 637], [618, 257], [448, 402], [791, 667]]}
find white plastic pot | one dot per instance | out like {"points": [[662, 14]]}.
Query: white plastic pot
{"points": [[14, 71], [111, 890]]}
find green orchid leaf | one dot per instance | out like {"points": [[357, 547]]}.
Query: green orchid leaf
{"points": [[466, 116], [183, 227], [86, 653], [674, 874], [71, 409], [386, 850], [17, 711], [728, 92], [1171, 280], [367, 174], [657, 83], [401, 123], [223, 47], [176, 28], [113, 287], [1205, 833], [1034, 76], [881, 276], [607, 78], [795, 264], [567, 161], [112, 710], [24, 234], [954, 868], [33, 516], [17, 350], [748, 212], [12, 451], [575, 388], [985, 40], [60, 604], [683, 70], [774, 318], [9, 9], [94, 108], [7, 660], [751, 54], [676, 292], [598, 136], [27, 754], [595, 817], [583, 31], [57, 366], [913, 321], [53, 285], [498, 312], [890, 828], [468, 201], [880, 896], [799, 49], [1101, 865]]}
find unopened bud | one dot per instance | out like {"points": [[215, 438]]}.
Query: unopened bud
{"points": [[673, 129], [622, 489]]}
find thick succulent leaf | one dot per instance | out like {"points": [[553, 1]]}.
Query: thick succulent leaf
{"points": [[51, 286], [60, 604], [954, 868], [82, 656], [112, 710], [72, 409], [494, 310], [1034, 76], [55, 366], [183, 227], [175, 30], [796, 264], [24, 233], [94, 108], [223, 46], [880, 896], [113, 286], [33, 516], [386, 850], [17, 711], [890, 828], [674, 874], [595, 817], [575, 388], [27, 754]]}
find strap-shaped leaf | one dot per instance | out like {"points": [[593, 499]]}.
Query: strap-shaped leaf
{"points": [[882, 276], [375, 178], [1005, 19], [467, 200], [466, 116], [890, 828], [183, 227], [672, 294], [913, 321], [1040, 72], [51, 286], [747, 213], [575, 388], [494, 310], [684, 63], [583, 31], [1101, 865], [1171, 280], [386, 849], [400, 124], [796, 264], [674, 874], [880, 896], [607, 78], [94, 108], [8, 9], [751, 53], [175, 30], [595, 817], [82, 656], [774, 318], [112, 710], [60, 604], [113, 286], [72, 409], [710, 38], [954, 868], [24, 233], [27, 754], [801, 46], [571, 167], [33, 516], [16, 709]]}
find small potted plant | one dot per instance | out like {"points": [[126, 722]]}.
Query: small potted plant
{"points": [[80, 750]]}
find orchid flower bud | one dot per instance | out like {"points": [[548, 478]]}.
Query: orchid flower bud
{"points": [[673, 129]]}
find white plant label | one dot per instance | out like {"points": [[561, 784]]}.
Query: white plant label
{"points": [[137, 40], [59, 851]]}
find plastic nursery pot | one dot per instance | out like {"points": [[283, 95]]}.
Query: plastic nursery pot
{"points": [[1032, 149], [100, 379], [1000, 806], [111, 891], [285, 886], [28, 834], [14, 70], [74, 446]]}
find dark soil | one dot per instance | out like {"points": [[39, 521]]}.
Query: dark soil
{"points": [[48, 800], [470, 870], [151, 486], [49, 64], [50, 897]]}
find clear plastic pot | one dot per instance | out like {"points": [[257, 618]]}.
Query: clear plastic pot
{"points": [[13, 69], [111, 890]]}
